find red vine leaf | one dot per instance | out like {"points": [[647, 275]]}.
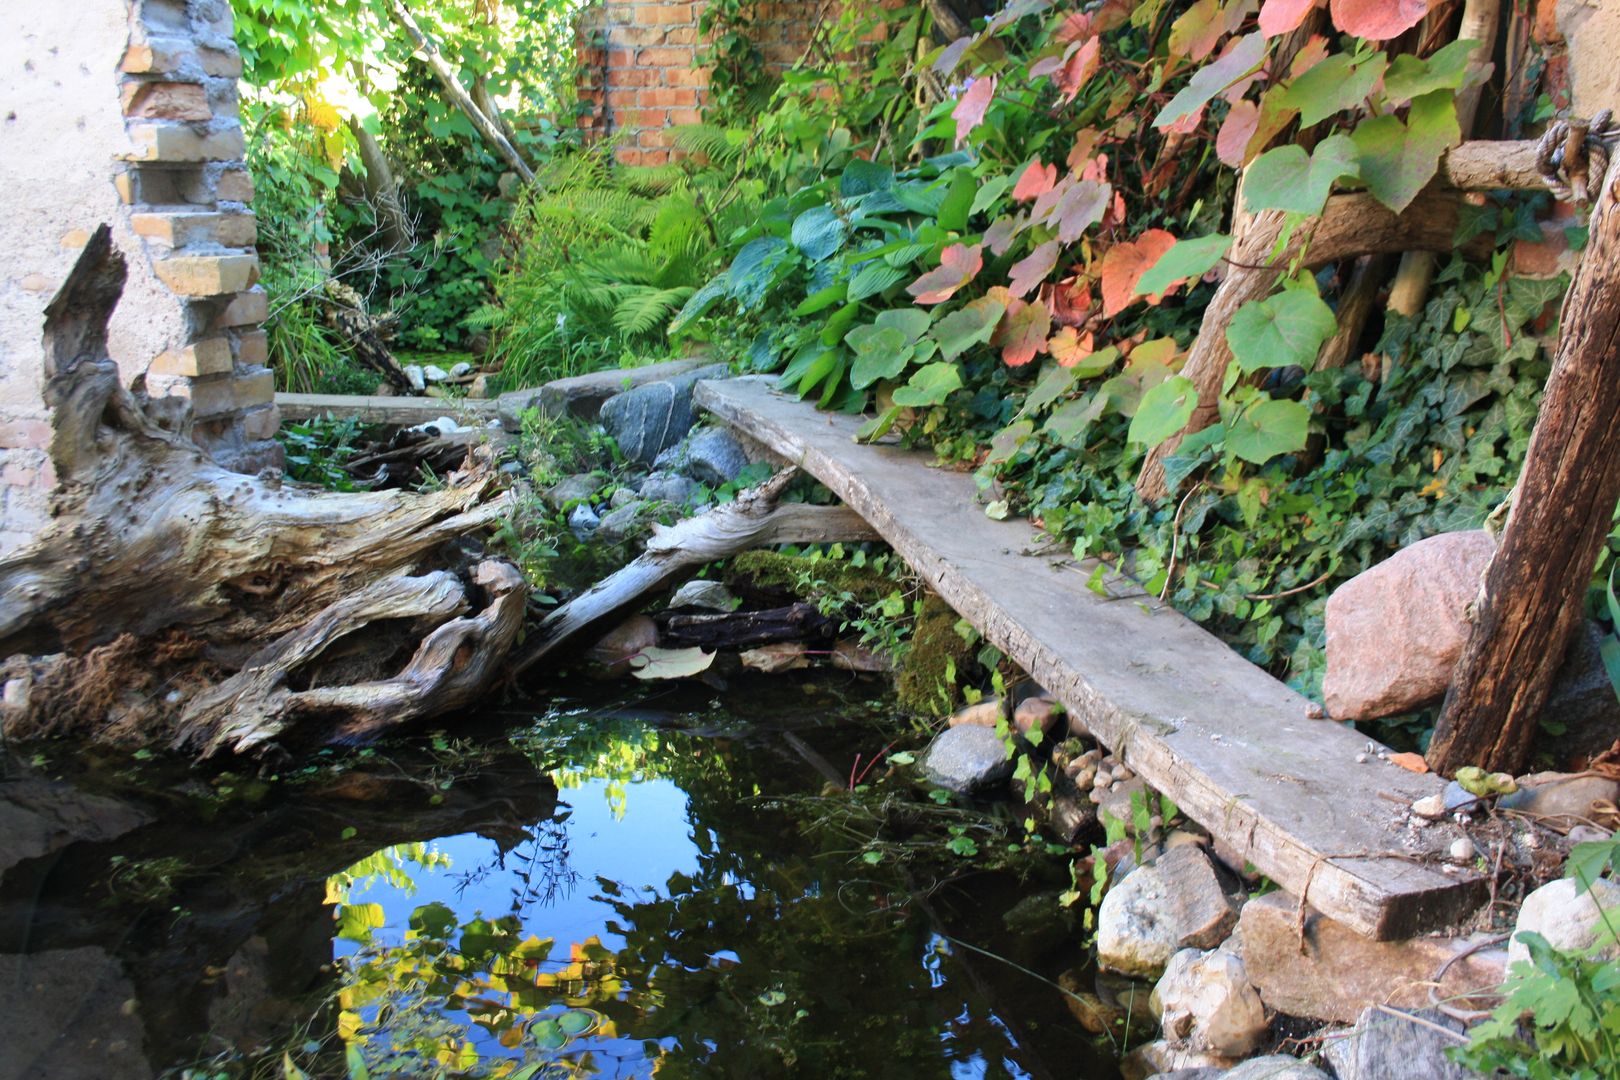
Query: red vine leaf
{"points": [[1081, 207], [1068, 348], [1079, 68], [951, 56], [1232, 143], [1378, 20], [1022, 335], [958, 265], [1037, 180], [1003, 231], [1196, 33], [1031, 271], [970, 109], [1070, 302], [1123, 266], [1279, 17], [1085, 141], [1187, 124], [1313, 52]]}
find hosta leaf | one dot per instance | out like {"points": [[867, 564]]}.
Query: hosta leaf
{"points": [[1164, 410], [753, 269], [1240, 59], [1268, 428], [700, 302], [863, 177], [1187, 260], [1397, 160], [1286, 329], [911, 322], [875, 277], [1286, 178], [930, 384], [821, 300], [819, 232], [972, 325], [958, 202]]}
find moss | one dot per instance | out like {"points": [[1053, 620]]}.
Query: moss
{"points": [[930, 677], [808, 578]]}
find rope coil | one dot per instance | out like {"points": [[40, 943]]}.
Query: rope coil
{"points": [[1571, 152]]}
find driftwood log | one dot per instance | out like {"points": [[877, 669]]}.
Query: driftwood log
{"points": [[1563, 509], [172, 601]]}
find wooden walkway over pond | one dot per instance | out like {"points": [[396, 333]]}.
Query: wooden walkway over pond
{"points": [[1235, 748]]}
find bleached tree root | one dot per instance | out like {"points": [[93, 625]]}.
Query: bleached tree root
{"points": [[754, 520], [172, 601]]}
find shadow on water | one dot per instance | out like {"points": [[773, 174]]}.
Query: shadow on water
{"points": [[598, 890]]}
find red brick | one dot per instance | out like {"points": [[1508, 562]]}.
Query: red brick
{"points": [[662, 96], [666, 57], [637, 36], [157, 56], [685, 116], [655, 157], [618, 58], [620, 99], [223, 62], [681, 35], [629, 155], [1545, 28], [635, 77], [32, 434], [654, 138], [245, 309], [664, 14], [647, 118], [687, 76]]}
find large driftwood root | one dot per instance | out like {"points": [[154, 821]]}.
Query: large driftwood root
{"points": [[172, 601]]}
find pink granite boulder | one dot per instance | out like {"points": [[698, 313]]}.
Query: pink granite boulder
{"points": [[1394, 632]]}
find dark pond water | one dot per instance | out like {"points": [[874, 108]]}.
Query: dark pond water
{"points": [[593, 891]]}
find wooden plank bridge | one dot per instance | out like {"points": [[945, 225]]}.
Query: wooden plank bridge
{"points": [[1236, 749]]}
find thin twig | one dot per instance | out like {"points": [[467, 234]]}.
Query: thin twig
{"points": [[1290, 592], [1175, 539], [1421, 1022]]}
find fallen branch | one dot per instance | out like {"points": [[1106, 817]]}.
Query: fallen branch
{"points": [[753, 520]]}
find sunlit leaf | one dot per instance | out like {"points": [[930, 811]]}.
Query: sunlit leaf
{"points": [[1267, 429], [1239, 60], [958, 265], [1035, 181], [1124, 264], [1164, 410], [1282, 330], [1378, 20], [930, 384], [1332, 86], [1286, 178], [1022, 336], [1397, 160], [1187, 260]]}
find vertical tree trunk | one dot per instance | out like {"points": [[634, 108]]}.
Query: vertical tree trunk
{"points": [[1562, 511], [381, 190]]}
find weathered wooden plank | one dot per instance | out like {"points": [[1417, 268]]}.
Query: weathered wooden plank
{"points": [[1236, 749], [584, 395], [382, 410]]}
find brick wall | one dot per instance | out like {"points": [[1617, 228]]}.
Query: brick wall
{"points": [[124, 112], [637, 74]]}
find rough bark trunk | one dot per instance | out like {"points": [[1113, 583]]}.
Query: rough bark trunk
{"points": [[1562, 511], [172, 601], [745, 629], [382, 191]]}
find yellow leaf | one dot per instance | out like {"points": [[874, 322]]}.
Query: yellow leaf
{"points": [[1434, 488]]}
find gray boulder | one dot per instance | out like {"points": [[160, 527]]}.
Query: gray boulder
{"points": [[649, 419], [668, 488], [623, 522], [1276, 1067], [1387, 1047], [583, 521], [715, 457], [1206, 1003], [1561, 799], [965, 758], [1569, 918], [573, 489], [1156, 910]]}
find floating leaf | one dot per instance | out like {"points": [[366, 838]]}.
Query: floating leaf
{"points": [[958, 265], [1287, 178], [972, 325], [1124, 264], [655, 663], [1240, 59], [1023, 334], [1378, 20], [356, 921], [1268, 428], [576, 1021], [970, 109], [1278, 17], [1232, 141], [930, 384], [1036, 181], [1187, 260], [1397, 160], [1032, 270], [1164, 410], [1282, 330]]}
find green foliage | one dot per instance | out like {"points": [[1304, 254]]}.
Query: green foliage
{"points": [[317, 449]]}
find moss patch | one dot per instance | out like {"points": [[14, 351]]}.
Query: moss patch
{"points": [[930, 676], [808, 579]]}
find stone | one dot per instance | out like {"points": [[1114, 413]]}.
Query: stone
{"points": [[479, 388], [615, 648], [67, 1014], [780, 656], [1569, 917], [715, 457], [965, 758], [574, 489], [1035, 712], [623, 522], [210, 356], [1563, 799], [712, 595], [853, 656], [1156, 910], [649, 419], [583, 521], [1159, 1057], [207, 275], [1276, 1067], [622, 497], [415, 376], [669, 488], [1581, 705], [986, 713], [433, 373], [38, 817], [1206, 1072], [1383, 1046], [1205, 1003], [1394, 631], [1336, 972], [458, 370]]}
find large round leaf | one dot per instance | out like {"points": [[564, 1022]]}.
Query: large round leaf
{"points": [[1269, 428], [1164, 410], [1282, 330]]}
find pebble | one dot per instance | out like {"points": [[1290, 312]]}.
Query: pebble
{"points": [[1462, 850], [434, 374], [1361, 759], [1432, 807]]}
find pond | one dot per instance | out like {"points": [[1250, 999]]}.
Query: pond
{"points": [[680, 886]]}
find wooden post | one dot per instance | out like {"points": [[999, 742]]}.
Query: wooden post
{"points": [[1563, 507]]}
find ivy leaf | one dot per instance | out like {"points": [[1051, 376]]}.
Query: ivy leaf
{"points": [[1023, 334], [1332, 86], [1268, 428], [972, 325], [1378, 20], [1409, 77], [1036, 181], [819, 232], [1278, 17], [881, 352], [1124, 264], [1286, 178], [930, 384], [1397, 160], [958, 265], [970, 109], [1241, 58], [1237, 130], [1282, 330], [1032, 270], [1164, 410], [1188, 260]]}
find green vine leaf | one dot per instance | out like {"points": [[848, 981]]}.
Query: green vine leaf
{"points": [[1332, 86], [1409, 77], [1268, 428], [1396, 159], [881, 352], [1240, 60], [1287, 178], [1188, 260], [972, 325], [1164, 410], [1282, 330], [930, 384]]}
